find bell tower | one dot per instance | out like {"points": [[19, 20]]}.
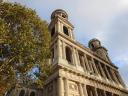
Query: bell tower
{"points": [[95, 46], [60, 24], [62, 36]]}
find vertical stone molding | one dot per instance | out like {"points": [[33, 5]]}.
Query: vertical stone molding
{"points": [[81, 89], [108, 73], [66, 89], [54, 87], [102, 70], [60, 86], [95, 69], [64, 54], [86, 62]]}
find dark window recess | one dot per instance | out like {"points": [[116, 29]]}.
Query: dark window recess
{"points": [[65, 30], [81, 59], [32, 94], [108, 93], [100, 92], [63, 16], [52, 31], [90, 90], [68, 55], [115, 95], [92, 45], [22, 93]]}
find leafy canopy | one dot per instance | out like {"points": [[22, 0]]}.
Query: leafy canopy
{"points": [[24, 40]]}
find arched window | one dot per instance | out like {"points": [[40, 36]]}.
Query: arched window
{"points": [[65, 30], [22, 93], [32, 94], [68, 55], [52, 31]]}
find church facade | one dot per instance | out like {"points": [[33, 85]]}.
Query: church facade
{"points": [[77, 70]]}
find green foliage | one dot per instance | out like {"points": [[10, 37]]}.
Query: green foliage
{"points": [[26, 37]]}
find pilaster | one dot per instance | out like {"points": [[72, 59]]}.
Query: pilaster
{"points": [[81, 89], [60, 86], [66, 89]]}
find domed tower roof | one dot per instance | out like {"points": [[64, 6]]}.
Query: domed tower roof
{"points": [[94, 43], [59, 12]]}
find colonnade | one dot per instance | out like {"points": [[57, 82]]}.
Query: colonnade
{"points": [[87, 62], [83, 89]]}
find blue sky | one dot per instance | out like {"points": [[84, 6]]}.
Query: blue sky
{"points": [[106, 20]]}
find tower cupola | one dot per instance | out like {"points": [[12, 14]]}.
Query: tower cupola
{"points": [[59, 13], [94, 44]]}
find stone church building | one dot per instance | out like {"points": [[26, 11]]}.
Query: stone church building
{"points": [[78, 70]]}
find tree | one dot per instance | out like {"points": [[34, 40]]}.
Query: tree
{"points": [[24, 42]]}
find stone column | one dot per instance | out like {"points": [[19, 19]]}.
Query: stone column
{"points": [[96, 94], [54, 87], [84, 67], [108, 72], [120, 79], [102, 70], [104, 93], [86, 62], [70, 33], [77, 56], [85, 90], [74, 56], [80, 89], [61, 27], [66, 88], [58, 49], [95, 69], [115, 79], [60, 86], [73, 37], [57, 27], [63, 49]]}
